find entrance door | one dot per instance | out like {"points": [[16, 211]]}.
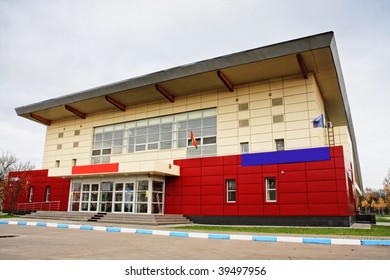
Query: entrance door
{"points": [[128, 205], [124, 197], [105, 204], [142, 196], [157, 197]]}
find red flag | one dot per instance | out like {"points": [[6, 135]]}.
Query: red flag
{"points": [[194, 140]]}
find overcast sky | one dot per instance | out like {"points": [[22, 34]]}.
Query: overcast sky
{"points": [[51, 48]]}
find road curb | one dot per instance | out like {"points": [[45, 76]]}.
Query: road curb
{"points": [[303, 240]]}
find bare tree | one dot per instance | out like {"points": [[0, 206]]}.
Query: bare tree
{"points": [[386, 183], [16, 186], [10, 163]]}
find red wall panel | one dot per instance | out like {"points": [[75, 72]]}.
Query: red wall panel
{"points": [[191, 171], [191, 210], [212, 210], [250, 169], [249, 199], [212, 170], [271, 209], [270, 168], [213, 190], [250, 210], [191, 181], [213, 180], [193, 190], [212, 200], [321, 174], [322, 197], [326, 164], [191, 200], [230, 170], [292, 176], [230, 210], [293, 187], [342, 197], [249, 178], [322, 186], [231, 160], [293, 209], [340, 174], [308, 188], [292, 167], [324, 209], [212, 161], [292, 198]]}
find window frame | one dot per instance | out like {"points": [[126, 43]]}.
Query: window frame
{"points": [[280, 140], [227, 185], [30, 194], [244, 145], [47, 193], [268, 190]]}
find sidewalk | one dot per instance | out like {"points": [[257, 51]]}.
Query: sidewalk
{"points": [[169, 231]]}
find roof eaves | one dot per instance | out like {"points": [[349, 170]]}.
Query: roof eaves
{"points": [[218, 63]]}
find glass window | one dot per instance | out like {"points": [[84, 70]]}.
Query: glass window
{"points": [[94, 196], [106, 186], [159, 133], [279, 144], [209, 140], [95, 187], [270, 185], [244, 148], [119, 187], [47, 194], [231, 190], [30, 194]]}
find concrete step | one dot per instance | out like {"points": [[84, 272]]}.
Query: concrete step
{"points": [[114, 218]]}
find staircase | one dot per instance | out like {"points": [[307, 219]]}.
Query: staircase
{"points": [[97, 217], [144, 219], [111, 218], [331, 136]]}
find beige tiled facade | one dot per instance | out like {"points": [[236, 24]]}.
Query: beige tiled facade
{"points": [[246, 115]]}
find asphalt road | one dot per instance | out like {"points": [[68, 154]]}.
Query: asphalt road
{"points": [[44, 243]]}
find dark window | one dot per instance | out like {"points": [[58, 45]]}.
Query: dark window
{"points": [[47, 194], [231, 190], [270, 185], [30, 194]]}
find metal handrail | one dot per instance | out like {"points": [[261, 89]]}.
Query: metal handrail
{"points": [[42, 206]]}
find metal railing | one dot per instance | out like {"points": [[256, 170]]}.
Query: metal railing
{"points": [[41, 206]]}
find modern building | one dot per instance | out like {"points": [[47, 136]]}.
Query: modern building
{"points": [[263, 136]]}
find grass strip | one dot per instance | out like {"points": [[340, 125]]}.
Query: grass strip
{"points": [[374, 231], [8, 216]]}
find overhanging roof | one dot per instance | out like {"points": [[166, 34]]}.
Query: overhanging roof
{"points": [[317, 54]]}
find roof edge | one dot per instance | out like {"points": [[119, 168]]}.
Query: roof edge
{"points": [[258, 54]]}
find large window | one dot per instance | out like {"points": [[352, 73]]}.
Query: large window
{"points": [[270, 185], [161, 133]]}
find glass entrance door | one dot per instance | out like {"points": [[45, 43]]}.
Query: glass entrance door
{"points": [[124, 197], [129, 198], [157, 197], [105, 203], [137, 194], [142, 196]]}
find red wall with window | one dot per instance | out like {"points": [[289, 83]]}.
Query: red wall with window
{"points": [[38, 180], [316, 188]]}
